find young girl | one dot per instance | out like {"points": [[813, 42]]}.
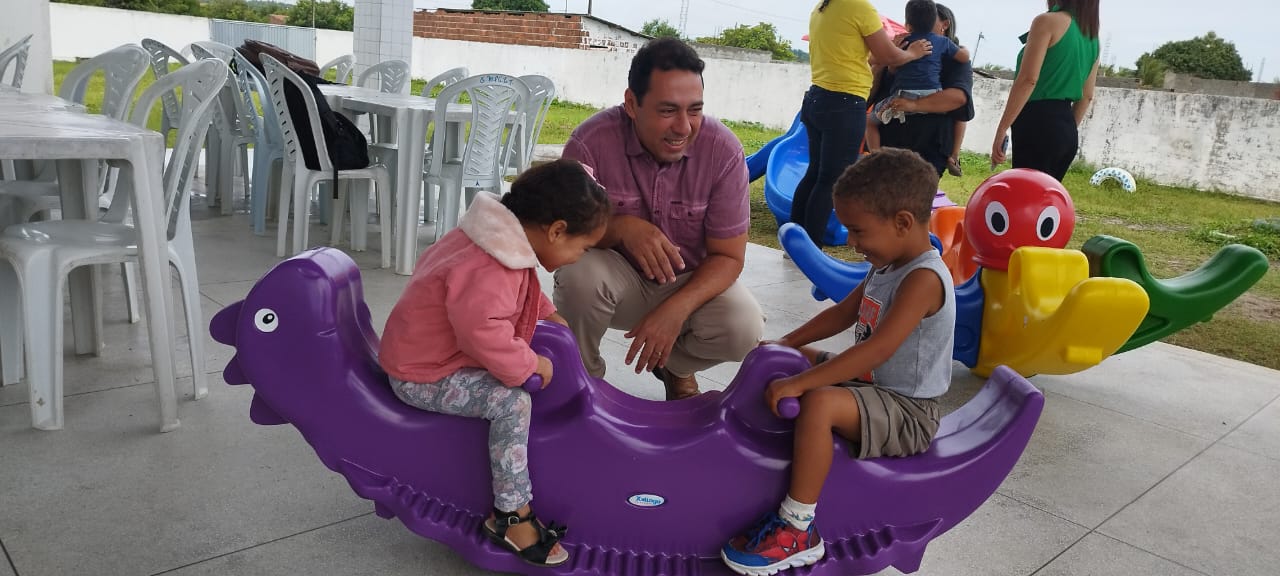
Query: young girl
{"points": [[457, 341], [880, 394]]}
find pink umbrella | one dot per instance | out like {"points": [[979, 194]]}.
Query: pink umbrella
{"points": [[893, 28]]}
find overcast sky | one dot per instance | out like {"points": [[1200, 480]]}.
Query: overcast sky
{"points": [[1129, 27]]}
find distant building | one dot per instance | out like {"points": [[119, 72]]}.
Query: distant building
{"points": [[550, 29]]}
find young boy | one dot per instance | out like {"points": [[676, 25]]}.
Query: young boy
{"points": [[920, 77], [881, 393]]}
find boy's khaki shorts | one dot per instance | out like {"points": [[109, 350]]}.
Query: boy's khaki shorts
{"points": [[892, 424]]}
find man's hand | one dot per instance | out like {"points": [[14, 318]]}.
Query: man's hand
{"points": [[779, 389], [545, 370], [653, 337], [659, 259]]}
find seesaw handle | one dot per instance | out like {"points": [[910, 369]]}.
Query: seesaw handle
{"points": [[789, 408], [534, 384]]}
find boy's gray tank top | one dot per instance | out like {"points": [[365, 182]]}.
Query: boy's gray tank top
{"points": [[921, 366]]}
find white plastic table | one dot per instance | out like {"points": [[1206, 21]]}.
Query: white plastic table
{"points": [[76, 142], [409, 117]]}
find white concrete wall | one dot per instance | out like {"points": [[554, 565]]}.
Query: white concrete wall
{"points": [[22, 17], [1201, 141], [762, 92], [1194, 140], [85, 31]]}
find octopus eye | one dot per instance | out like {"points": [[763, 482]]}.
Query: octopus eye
{"points": [[1048, 222], [997, 218]]}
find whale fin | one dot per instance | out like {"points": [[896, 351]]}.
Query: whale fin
{"points": [[262, 414], [223, 325], [233, 374]]}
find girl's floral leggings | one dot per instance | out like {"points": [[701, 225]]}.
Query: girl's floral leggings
{"points": [[475, 393]]}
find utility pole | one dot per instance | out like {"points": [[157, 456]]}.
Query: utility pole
{"points": [[588, 7], [1261, 65], [684, 16], [977, 45]]}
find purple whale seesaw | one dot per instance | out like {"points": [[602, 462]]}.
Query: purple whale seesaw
{"points": [[645, 487]]}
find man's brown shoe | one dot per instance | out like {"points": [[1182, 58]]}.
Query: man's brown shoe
{"points": [[678, 388]]}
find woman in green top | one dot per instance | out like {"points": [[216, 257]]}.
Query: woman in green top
{"points": [[1057, 68]]}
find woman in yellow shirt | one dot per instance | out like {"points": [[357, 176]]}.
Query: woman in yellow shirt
{"points": [[842, 34]]}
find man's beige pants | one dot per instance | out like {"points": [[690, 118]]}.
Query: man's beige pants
{"points": [[603, 290]]}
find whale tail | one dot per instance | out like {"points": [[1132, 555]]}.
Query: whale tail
{"points": [[1180, 302]]}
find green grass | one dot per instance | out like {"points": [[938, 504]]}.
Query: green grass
{"points": [[93, 94], [1177, 228]]}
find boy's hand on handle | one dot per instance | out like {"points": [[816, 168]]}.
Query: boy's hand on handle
{"points": [[780, 390], [659, 259]]}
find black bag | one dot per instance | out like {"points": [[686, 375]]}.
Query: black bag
{"points": [[251, 49], [347, 146]]}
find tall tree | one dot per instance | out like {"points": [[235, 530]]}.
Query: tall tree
{"points": [[233, 10], [1208, 56], [762, 36], [516, 5], [659, 29], [331, 14]]}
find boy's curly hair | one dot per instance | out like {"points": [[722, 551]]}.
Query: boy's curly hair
{"points": [[889, 181]]}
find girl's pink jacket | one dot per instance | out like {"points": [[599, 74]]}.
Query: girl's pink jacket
{"points": [[473, 301]]}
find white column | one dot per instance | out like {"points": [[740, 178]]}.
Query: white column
{"points": [[383, 31], [32, 17]]}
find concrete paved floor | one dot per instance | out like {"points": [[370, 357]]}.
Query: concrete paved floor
{"points": [[1160, 461]]}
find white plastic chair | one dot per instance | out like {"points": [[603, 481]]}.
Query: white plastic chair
{"points": [[217, 49], [541, 92], [305, 179], [444, 80], [122, 69], [343, 66], [495, 98], [161, 54], [268, 148], [16, 56], [393, 76], [43, 253], [235, 121]]}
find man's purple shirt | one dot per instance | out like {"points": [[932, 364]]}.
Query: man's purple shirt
{"points": [[705, 194]]}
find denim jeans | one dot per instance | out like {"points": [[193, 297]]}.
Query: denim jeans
{"points": [[835, 122]]}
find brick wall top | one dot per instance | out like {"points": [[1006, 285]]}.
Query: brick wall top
{"points": [[499, 27]]}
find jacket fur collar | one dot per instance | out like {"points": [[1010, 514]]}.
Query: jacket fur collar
{"points": [[497, 231]]}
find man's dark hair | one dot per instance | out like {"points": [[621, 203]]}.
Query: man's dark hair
{"points": [[921, 16], [889, 181], [661, 54]]}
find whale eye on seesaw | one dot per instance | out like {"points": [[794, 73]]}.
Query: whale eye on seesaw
{"points": [[265, 320]]}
